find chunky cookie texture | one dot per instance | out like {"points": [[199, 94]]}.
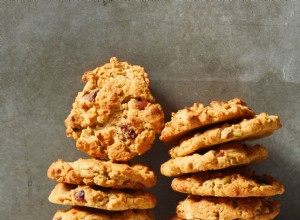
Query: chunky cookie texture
{"points": [[115, 116], [261, 125], [107, 199], [238, 182], [224, 156], [198, 116], [102, 173], [82, 213], [213, 208]]}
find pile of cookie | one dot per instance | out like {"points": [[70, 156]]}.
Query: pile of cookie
{"points": [[114, 119], [210, 162]]}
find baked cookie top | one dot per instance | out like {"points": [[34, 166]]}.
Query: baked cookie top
{"points": [[249, 129], [82, 213], [107, 199], [198, 116], [238, 182], [223, 156], [115, 116], [102, 173], [215, 208]]}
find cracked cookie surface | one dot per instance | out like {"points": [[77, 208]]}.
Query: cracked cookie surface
{"points": [[115, 116], [214, 208], [237, 182], [198, 116], [107, 199], [82, 213], [249, 129], [223, 156], [102, 173]]}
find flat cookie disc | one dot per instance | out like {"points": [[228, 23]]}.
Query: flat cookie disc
{"points": [[102, 173], [115, 116], [236, 182], [82, 213], [107, 199], [198, 116], [249, 129], [214, 208], [224, 156]]}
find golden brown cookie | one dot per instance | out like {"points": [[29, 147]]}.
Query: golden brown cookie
{"points": [[225, 155], [198, 116], [115, 116], [102, 173], [249, 129], [107, 199], [237, 182], [214, 208], [82, 213]]}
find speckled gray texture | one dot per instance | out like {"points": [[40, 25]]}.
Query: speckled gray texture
{"points": [[194, 51]]}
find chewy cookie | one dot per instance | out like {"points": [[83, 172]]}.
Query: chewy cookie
{"points": [[214, 208], [225, 155], [107, 199], [102, 173], [238, 182], [115, 116], [198, 116], [249, 129], [81, 213]]}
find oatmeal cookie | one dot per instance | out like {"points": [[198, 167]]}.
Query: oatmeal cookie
{"points": [[107, 199], [214, 208], [102, 173], [249, 129], [82, 213], [224, 156], [198, 116], [115, 116], [238, 182]]}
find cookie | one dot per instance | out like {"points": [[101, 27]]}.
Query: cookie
{"points": [[82, 213], [115, 116], [102, 173], [107, 199], [214, 208], [198, 116], [249, 129], [225, 155], [237, 182]]}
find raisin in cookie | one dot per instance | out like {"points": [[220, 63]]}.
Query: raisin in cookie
{"points": [[215, 208], [82, 213], [237, 182], [107, 199], [198, 116], [115, 116], [225, 155], [102, 173], [249, 129]]}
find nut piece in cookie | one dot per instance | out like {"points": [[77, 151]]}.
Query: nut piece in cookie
{"points": [[102, 173], [107, 199], [237, 182], [83, 213], [249, 129], [223, 156], [198, 116], [115, 116], [215, 208]]}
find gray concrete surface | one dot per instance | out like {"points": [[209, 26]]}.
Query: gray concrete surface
{"points": [[194, 51]]}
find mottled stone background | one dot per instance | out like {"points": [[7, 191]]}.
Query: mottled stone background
{"points": [[194, 51]]}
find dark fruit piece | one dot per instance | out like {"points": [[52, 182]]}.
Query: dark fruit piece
{"points": [[129, 131]]}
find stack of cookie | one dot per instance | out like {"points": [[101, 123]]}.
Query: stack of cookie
{"points": [[210, 162], [113, 119]]}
